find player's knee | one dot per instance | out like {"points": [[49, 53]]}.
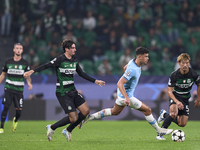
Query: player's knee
{"points": [[173, 115], [73, 119], [182, 125]]}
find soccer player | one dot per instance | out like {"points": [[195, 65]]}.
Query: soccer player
{"points": [[66, 66], [179, 87], [126, 86], [13, 70]]}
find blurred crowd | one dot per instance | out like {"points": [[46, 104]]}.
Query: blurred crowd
{"points": [[106, 31]]}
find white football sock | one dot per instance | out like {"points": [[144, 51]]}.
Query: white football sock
{"points": [[152, 122], [101, 114]]}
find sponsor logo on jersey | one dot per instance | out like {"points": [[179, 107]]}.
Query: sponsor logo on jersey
{"points": [[15, 71], [184, 81], [184, 85], [70, 65], [15, 66]]}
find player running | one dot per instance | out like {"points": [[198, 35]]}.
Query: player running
{"points": [[179, 87], [14, 68], [126, 86], [66, 66]]}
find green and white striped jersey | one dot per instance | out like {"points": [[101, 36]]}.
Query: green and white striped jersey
{"points": [[65, 70], [14, 80], [183, 83]]}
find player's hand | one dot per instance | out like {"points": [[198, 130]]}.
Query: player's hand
{"points": [[28, 73], [30, 86], [100, 83], [197, 103], [127, 102], [180, 105]]}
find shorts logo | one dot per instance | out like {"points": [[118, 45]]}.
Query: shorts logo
{"points": [[4, 99], [69, 108]]}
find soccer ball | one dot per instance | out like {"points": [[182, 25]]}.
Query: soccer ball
{"points": [[178, 136]]}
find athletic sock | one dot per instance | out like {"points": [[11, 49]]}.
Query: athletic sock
{"points": [[17, 115], [152, 122], [175, 121], [64, 121], [3, 116], [166, 115], [101, 114], [73, 125], [167, 122]]}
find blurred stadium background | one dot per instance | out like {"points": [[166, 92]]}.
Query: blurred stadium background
{"points": [[106, 33]]}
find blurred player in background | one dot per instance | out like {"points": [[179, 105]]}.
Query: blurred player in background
{"points": [[66, 66], [126, 86], [179, 87], [14, 68]]}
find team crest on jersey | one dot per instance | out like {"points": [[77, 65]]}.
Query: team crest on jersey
{"points": [[20, 67], [74, 65], [128, 73], [15, 66], [189, 81], [184, 81]]}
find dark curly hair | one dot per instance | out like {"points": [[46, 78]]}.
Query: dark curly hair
{"points": [[67, 43]]}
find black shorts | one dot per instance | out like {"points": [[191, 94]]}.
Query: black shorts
{"points": [[16, 98], [185, 111], [70, 101]]}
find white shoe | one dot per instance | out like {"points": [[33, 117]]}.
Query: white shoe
{"points": [[163, 131], [84, 121], [50, 132], [158, 137], [161, 117], [67, 134]]}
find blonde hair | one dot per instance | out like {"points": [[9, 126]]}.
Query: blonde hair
{"points": [[183, 56]]}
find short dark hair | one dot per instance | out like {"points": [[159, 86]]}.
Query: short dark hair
{"points": [[17, 44], [67, 44], [141, 50]]}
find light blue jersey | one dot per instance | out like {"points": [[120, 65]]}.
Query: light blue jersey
{"points": [[132, 75]]}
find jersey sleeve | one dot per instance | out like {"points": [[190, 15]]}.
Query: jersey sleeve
{"points": [[54, 63], [129, 73], [196, 78], [4, 68], [82, 74], [171, 82]]}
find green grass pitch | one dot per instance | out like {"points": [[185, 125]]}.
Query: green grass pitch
{"points": [[97, 135]]}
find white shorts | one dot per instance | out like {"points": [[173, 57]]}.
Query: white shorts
{"points": [[134, 102]]}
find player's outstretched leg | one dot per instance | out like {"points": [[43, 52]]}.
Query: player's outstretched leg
{"points": [[161, 118], [97, 115], [14, 125], [67, 134], [50, 132]]}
